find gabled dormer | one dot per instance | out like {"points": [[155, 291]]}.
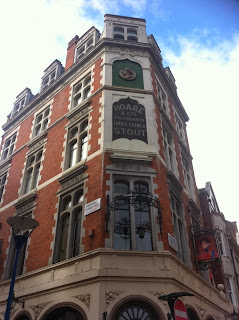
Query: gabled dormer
{"points": [[124, 29], [86, 43], [51, 74], [22, 100]]}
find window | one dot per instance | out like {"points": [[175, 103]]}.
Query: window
{"points": [[81, 91], [41, 122], [124, 33], [136, 310], [3, 179], [12, 255], [32, 173], [220, 242], [47, 81], [19, 106], [186, 173], [77, 144], [179, 228], [162, 98], [179, 127], [9, 147], [69, 226], [82, 50], [130, 220], [230, 291], [168, 149]]}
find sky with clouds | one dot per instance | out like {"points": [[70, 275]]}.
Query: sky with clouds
{"points": [[199, 41]]}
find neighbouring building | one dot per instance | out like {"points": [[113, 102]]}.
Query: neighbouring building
{"points": [[100, 158], [228, 271]]}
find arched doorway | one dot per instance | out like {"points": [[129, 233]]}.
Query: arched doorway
{"points": [[64, 313], [136, 310], [192, 315]]}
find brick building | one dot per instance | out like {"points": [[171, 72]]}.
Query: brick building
{"points": [[100, 158]]}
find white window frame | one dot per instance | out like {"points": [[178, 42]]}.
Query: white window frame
{"points": [[71, 206], [19, 105], [168, 149], [49, 78], [77, 145], [187, 174], [81, 91], [3, 181], [126, 33], [179, 127], [9, 146], [162, 96], [84, 48], [221, 242], [41, 121], [230, 290], [32, 171], [179, 227]]}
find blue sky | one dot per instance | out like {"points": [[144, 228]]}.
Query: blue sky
{"points": [[199, 40]]}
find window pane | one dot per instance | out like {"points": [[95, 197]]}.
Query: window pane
{"points": [[36, 179], [73, 150], [64, 238], [122, 229], [84, 147], [28, 181], [76, 235], [121, 188]]}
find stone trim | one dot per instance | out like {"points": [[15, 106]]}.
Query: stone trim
{"points": [[174, 184]]}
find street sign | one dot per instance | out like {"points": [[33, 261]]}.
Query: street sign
{"points": [[180, 312]]}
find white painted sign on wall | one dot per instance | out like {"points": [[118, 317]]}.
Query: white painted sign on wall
{"points": [[172, 242], [92, 206]]}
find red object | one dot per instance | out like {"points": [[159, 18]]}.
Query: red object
{"points": [[180, 312]]}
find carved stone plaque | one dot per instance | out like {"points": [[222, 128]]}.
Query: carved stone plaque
{"points": [[129, 120]]}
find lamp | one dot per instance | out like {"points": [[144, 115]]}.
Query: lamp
{"points": [[22, 227], [141, 231], [233, 316]]}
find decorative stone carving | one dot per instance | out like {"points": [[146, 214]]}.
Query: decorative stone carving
{"points": [[85, 298], [111, 295], [156, 293], [127, 74], [127, 52], [38, 308], [220, 288], [201, 310]]}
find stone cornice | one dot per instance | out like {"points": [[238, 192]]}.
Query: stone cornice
{"points": [[174, 183]]}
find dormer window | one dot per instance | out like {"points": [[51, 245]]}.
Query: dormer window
{"points": [[82, 50], [51, 74], [49, 80], [22, 100], [19, 106], [119, 33], [125, 33], [132, 35]]}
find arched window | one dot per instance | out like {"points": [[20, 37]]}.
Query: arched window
{"points": [[64, 313], [77, 144], [132, 223], [69, 226], [136, 310], [192, 315]]}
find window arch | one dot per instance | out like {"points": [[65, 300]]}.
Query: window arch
{"points": [[64, 313], [136, 310], [192, 315]]}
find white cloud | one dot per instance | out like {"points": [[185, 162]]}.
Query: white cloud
{"points": [[207, 80]]}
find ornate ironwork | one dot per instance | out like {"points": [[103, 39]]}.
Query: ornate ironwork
{"points": [[141, 201]]}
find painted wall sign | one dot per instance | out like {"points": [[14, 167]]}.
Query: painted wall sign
{"points": [[172, 242], [129, 120], [92, 206]]}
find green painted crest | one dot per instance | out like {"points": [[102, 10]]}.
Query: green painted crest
{"points": [[127, 74]]}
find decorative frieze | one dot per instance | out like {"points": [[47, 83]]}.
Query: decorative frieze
{"points": [[85, 298], [111, 295], [201, 310], [127, 52], [25, 203], [38, 308]]}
